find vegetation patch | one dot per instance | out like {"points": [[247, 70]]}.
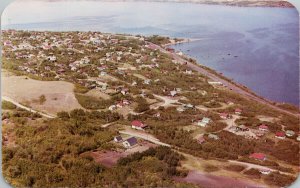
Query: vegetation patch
{"points": [[235, 168], [277, 179], [92, 103], [210, 168], [6, 105]]}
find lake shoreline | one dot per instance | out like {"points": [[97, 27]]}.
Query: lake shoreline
{"points": [[181, 41], [221, 76]]}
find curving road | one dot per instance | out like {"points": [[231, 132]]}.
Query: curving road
{"points": [[26, 108], [216, 78]]}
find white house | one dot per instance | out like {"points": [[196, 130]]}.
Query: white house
{"points": [[103, 73], [173, 93], [118, 138], [289, 133], [180, 108], [130, 142], [51, 58], [112, 107], [134, 83], [188, 72], [147, 81], [204, 122], [213, 136], [265, 171]]}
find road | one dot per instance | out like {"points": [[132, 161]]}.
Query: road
{"points": [[26, 108], [151, 138], [107, 125], [233, 162], [216, 78], [167, 101], [259, 167]]}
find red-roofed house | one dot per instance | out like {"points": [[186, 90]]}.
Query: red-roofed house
{"points": [[201, 140], [224, 116], [138, 125], [170, 50], [263, 127], [238, 111], [7, 43], [265, 171], [280, 135], [258, 156]]}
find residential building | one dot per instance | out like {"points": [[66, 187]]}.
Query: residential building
{"points": [[258, 156], [130, 142], [138, 125]]}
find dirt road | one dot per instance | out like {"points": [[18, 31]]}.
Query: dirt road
{"points": [[26, 108], [216, 78], [167, 101], [259, 167]]}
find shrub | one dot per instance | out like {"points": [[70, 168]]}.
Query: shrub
{"points": [[235, 168], [142, 105], [92, 103], [63, 115], [80, 89], [210, 168], [253, 173], [42, 99], [282, 180], [6, 105], [217, 126]]}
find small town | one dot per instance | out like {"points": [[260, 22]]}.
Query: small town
{"points": [[103, 101]]}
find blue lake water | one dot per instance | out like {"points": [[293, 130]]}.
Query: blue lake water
{"points": [[257, 47]]}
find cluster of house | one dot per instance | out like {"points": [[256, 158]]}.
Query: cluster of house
{"points": [[288, 133], [225, 115], [212, 136], [127, 143], [185, 107], [204, 122], [132, 141], [44, 43], [263, 129], [280, 134], [119, 104], [260, 157]]}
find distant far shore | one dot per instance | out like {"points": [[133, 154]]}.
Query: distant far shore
{"points": [[238, 3]]}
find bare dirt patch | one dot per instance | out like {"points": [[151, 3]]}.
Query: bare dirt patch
{"points": [[208, 180], [125, 110], [140, 76], [107, 158], [98, 94], [110, 158], [59, 94], [267, 118]]}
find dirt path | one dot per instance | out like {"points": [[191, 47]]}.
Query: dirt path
{"points": [[26, 108], [167, 100], [152, 139], [230, 122], [216, 78], [259, 167], [195, 167], [213, 181], [107, 125]]}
